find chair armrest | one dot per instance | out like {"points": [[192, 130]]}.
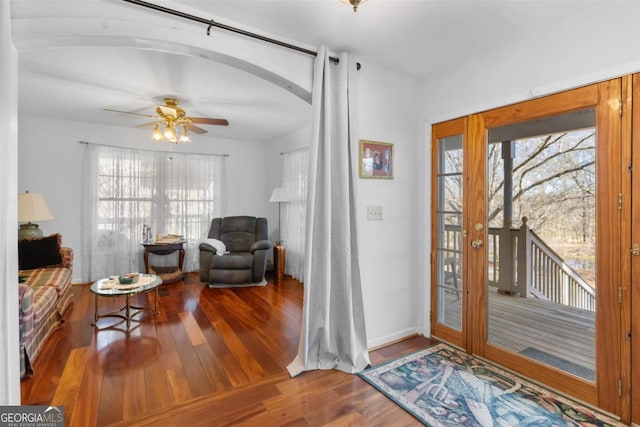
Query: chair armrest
{"points": [[67, 257], [207, 247], [260, 245]]}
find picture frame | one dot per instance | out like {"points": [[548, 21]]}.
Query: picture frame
{"points": [[376, 159]]}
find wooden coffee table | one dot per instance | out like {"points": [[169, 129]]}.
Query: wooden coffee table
{"points": [[110, 287]]}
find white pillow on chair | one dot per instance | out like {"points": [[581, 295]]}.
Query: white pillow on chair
{"points": [[218, 245]]}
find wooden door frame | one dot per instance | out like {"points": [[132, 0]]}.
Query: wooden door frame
{"points": [[631, 295], [476, 272]]}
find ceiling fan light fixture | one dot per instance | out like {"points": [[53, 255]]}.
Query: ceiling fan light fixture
{"points": [[354, 3], [169, 133], [169, 120], [184, 137], [156, 135]]}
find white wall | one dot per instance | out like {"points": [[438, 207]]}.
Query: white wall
{"points": [[50, 162], [597, 44], [387, 110]]}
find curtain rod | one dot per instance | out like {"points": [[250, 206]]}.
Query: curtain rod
{"points": [[294, 150], [212, 23], [154, 151]]}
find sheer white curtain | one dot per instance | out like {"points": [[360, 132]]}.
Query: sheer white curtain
{"points": [[175, 193], [333, 332], [295, 166], [9, 329]]}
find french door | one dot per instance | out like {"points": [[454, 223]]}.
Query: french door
{"points": [[531, 237]]}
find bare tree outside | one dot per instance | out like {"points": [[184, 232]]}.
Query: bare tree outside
{"points": [[554, 188]]}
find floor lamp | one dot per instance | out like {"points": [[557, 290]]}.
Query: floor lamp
{"points": [[279, 255]]}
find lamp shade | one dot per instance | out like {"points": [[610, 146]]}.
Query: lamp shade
{"points": [[278, 195], [32, 207]]}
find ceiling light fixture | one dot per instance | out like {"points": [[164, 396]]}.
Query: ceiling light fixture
{"points": [[169, 133], [354, 3], [168, 120], [156, 135], [184, 137]]}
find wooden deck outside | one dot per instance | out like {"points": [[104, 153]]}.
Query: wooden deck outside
{"points": [[519, 323]]}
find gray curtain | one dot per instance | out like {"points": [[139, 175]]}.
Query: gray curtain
{"points": [[333, 332]]}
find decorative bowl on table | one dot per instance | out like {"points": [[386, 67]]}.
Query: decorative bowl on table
{"points": [[127, 279]]}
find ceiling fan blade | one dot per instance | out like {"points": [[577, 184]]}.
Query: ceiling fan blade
{"points": [[209, 121], [129, 112], [147, 124], [168, 111], [194, 129]]}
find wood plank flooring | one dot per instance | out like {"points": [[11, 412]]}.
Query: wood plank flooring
{"points": [[211, 357]]}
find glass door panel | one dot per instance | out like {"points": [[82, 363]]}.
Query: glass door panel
{"points": [[449, 237], [547, 302], [541, 227], [447, 277]]}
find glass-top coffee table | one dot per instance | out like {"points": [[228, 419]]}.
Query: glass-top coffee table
{"points": [[111, 287]]}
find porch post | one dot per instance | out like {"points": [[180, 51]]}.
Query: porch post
{"points": [[506, 261], [524, 257]]}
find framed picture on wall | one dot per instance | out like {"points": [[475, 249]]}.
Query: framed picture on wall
{"points": [[376, 159]]}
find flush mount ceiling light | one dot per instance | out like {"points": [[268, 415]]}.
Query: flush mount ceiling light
{"points": [[170, 118], [354, 3]]}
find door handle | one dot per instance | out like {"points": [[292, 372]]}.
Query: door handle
{"points": [[635, 249], [476, 244]]}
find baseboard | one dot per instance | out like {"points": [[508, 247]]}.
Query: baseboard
{"points": [[391, 339]]}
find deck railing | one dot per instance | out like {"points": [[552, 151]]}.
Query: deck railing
{"points": [[539, 271], [524, 266]]}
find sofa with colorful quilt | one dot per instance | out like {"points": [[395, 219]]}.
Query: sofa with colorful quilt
{"points": [[44, 295]]}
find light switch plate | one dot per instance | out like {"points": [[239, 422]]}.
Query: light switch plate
{"points": [[374, 213]]}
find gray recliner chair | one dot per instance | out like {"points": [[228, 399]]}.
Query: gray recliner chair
{"points": [[246, 245]]}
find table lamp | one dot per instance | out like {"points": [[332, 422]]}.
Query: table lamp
{"points": [[32, 207]]}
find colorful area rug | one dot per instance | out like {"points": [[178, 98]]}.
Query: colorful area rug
{"points": [[442, 386]]}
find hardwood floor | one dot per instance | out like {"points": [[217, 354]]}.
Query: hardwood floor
{"points": [[211, 357]]}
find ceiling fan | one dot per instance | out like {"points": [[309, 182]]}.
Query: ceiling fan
{"points": [[171, 116]]}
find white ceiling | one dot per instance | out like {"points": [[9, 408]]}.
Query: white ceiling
{"points": [[414, 37]]}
